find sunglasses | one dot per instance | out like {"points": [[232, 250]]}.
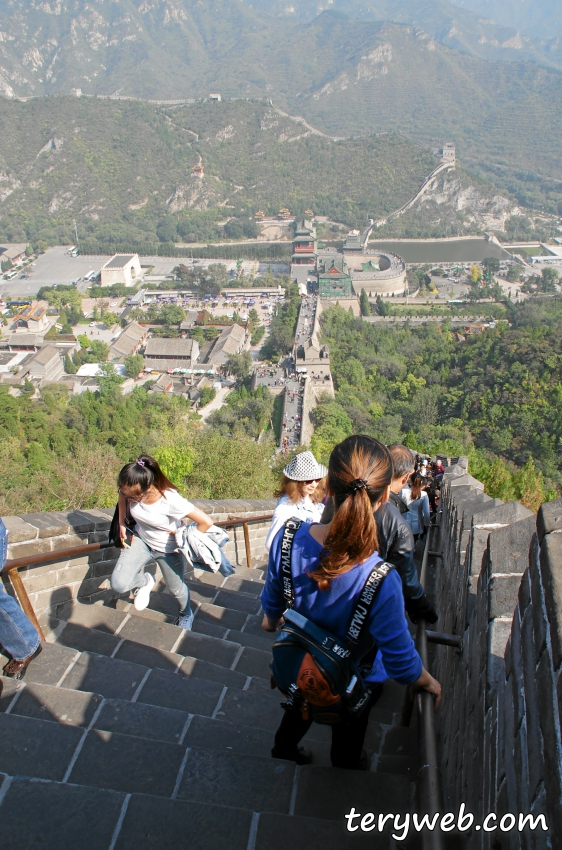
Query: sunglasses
{"points": [[312, 481]]}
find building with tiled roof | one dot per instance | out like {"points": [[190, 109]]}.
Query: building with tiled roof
{"points": [[334, 280], [32, 318], [128, 342], [163, 355], [231, 341]]}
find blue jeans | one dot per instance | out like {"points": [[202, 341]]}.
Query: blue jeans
{"points": [[127, 573], [18, 635]]}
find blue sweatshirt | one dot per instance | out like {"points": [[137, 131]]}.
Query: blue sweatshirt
{"points": [[397, 657]]}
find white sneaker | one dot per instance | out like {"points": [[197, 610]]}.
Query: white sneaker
{"points": [[142, 595]]}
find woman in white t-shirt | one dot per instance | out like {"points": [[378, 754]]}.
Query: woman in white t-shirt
{"points": [[157, 509], [301, 493]]}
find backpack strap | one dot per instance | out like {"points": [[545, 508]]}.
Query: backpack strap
{"points": [[365, 602], [290, 529]]}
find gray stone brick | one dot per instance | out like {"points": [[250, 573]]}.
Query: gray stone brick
{"points": [[40, 748], [551, 571], [505, 514], [549, 518], [41, 581], [197, 826], [503, 590], [19, 530], [124, 763], [48, 524], [50, 814], [498, 633], [524, 592], [69, 575], [509, 547], [551, 738], [532, 703], [32, 547], [68, 541]]}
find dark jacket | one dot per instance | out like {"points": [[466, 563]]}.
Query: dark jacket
{"points": [[398, 502], [396, 545]]}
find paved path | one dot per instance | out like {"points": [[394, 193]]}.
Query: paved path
{"points": [[215, 404]]}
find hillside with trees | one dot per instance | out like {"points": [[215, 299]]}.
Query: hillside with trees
{"points": [[496, 396], [359, 68]]}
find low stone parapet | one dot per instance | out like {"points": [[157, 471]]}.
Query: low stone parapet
{"points": [[87, 576], [499, 587]]}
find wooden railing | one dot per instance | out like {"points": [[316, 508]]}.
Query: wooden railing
{"points": [[12, 567]]}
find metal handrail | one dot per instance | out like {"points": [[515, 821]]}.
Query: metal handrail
{"points": [[430, 791], [12, 567]]}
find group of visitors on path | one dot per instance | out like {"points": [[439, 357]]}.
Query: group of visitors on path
{"points": [[340, 535]]}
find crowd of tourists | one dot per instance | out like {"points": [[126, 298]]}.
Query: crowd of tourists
{"points": [[340, 581]]}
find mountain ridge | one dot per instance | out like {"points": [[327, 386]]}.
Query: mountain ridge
{"points": [[346, 76]]}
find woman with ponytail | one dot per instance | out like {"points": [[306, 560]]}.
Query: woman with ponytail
{"points": [[157, 509], [330, 564]]}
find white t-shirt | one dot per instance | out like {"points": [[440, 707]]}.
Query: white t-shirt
{"points": [[156, 521], [304, 509]]}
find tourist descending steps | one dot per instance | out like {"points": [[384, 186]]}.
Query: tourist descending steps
{"points": [[301, 493], [157, 510], [331, 568]]}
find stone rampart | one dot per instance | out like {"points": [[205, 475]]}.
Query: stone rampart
{"points": [[86, 577], [499, 586]]}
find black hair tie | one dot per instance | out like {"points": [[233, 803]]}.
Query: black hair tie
{"points": [[358, 484]]}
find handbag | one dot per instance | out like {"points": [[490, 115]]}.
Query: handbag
{"points": [[114, 535]]}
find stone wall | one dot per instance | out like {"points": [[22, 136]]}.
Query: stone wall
{"points": [[87, 576], [499, 586]]}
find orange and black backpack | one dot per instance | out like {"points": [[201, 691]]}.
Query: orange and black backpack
{"points": [[321, 675]]}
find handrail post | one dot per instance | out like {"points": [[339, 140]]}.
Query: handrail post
{"points": [[25, 602], [247, 544]]}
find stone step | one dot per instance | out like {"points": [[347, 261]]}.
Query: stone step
{"points": [[37, 815]]}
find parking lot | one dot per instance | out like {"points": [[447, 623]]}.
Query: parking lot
{"points": [[56, 266]]}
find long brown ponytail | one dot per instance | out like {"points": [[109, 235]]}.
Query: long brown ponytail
{"points": [[359, 471]]}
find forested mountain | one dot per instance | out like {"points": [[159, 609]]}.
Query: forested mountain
{"points": [[542, 18], [346, 75], [519, 30], [123, 170], [499, 392]]}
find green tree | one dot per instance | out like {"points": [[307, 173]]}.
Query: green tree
{"points": [[239, 365], [134, 364], [69, 366], [514, 273], [549, 280], [381, 306], [364, 303], [491, 264], [176, 460], [172, 314], [99, 350]]}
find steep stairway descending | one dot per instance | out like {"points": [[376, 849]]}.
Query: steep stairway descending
{"points": [[129, 732]]}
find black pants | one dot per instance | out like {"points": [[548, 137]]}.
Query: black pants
{"points": [[347, 738]]}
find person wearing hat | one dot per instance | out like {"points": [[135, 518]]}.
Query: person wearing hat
{"points": [[300, 494]]}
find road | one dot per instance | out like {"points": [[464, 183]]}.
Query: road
{"points": [[215, 404]]}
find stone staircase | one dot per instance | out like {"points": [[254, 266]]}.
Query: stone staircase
{"points": [[129, 732]]}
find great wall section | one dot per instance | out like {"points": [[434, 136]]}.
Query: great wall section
{"points": [[159, 729]]}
